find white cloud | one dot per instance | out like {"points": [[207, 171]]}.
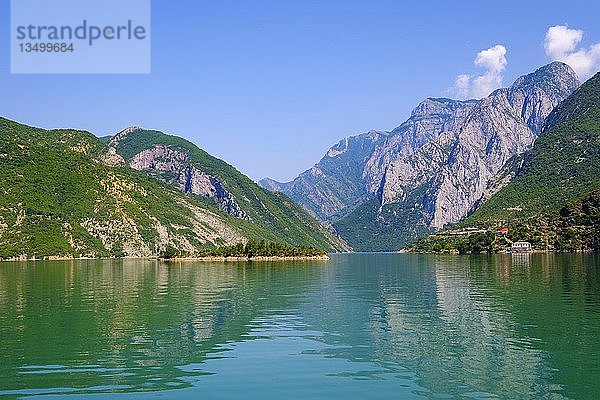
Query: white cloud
{"points": [[493, 60], [561, 44], [561, 40]]}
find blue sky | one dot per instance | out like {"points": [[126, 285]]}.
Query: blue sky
{"points": [[270, 85]]}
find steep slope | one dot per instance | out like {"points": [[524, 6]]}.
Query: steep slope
{"points": [[554, 200], [65, 193], [449, 156], [563, 166], [428, 124], [180, 163], [351, 171], [337, 182]]}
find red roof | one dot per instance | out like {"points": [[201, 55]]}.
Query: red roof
{"points": [[503, 230]]}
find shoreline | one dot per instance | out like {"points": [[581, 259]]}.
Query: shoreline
{"points": [[239, 258], [403, 251], [324, 257], [176, 259]]}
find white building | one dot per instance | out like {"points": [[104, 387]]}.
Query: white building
{"points": [[520, 246]]}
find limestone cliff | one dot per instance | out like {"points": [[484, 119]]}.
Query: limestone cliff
{"points": [[435, 168]]}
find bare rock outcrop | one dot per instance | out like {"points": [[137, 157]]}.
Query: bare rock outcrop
{"points": [[435, 168], [175, 168]]}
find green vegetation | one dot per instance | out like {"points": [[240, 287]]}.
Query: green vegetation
{"points": [[370, 229], [575, 227], [170, 252], [253, 248], [563, 166], [468, 243], [57, 198], [273, 216], [553, 201]]}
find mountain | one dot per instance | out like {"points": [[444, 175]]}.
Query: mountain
{"points": [[337, 182], [178, 162], [564, 164], [438, 166], [67, 193], [554, 199]]}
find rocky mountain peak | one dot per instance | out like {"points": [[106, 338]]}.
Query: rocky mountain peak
{"points": [[500, 126], [554, 76], [432, 169], [533, 96]]}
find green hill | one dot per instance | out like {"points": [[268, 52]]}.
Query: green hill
{"points": [[66, 193], [553, 200], [227, 189]]}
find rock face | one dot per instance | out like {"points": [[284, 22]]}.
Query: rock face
{"points": [[442, 162], [176, 169], [111, 158], [553, 197], [338, 181], [427, 124], [496, 128]]}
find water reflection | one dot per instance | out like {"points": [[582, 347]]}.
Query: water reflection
{"points": [[508, 326]]}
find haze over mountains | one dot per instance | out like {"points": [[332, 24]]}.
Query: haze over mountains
{"points": [[382, 190]]}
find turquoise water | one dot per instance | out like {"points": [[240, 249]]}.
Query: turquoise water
{"points": [[374, 326]]}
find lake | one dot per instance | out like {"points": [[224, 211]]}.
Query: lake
{"points": [[376, 326]]}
